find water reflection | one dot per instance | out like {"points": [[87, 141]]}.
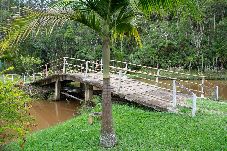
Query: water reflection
{"points": [[48, 113]]}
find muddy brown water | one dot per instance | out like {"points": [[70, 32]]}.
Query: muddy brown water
{"points": [[209, 88], [223, 89], [48, 113]]}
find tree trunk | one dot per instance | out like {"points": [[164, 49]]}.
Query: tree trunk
{"points": [[108, 138]]}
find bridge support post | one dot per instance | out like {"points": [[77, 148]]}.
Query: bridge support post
{"points": [[57, 90], [88, 92]]}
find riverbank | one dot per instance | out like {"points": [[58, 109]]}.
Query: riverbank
{"points": [[139, 129]]}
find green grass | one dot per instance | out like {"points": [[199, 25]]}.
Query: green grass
{"points": [[138, 129], [206, 106]]}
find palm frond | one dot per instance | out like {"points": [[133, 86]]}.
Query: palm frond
{"points": [[127, 29], [21, 27]]}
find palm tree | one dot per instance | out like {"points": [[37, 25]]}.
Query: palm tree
{"points": [[110, 19]]}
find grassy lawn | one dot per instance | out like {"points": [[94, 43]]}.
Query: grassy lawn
{"points": [[138, 129]]}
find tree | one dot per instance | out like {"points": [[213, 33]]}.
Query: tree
{"points": [[110, 19]]}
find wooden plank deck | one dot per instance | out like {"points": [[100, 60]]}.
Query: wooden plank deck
{"points": [[131, 89]]}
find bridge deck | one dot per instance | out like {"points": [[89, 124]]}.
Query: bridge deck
{"points": [[131, 89]]}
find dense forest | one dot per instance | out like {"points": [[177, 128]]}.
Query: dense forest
{"points": [[173, 40]]}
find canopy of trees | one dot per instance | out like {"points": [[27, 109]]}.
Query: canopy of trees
{"points": [[169, 40]]}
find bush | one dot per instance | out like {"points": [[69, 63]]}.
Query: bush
{"points": [[14, 118]]}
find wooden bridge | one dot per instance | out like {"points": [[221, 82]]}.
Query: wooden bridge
{"points": [[129, 89], [144, 85]]}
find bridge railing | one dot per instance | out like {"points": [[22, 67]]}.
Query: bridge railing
{"points": [[162, 78], [11, 78], [159, 77]]}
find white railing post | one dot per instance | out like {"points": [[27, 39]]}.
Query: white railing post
{"points": [[86, 70], [202, 87], [101, 65], [194, 105], [126, 68], [64, 65], [46, 70], [93, 66], [30, 89], [119, 83], [217, 93], [96, 66], [81, 68], [24, 78], [174, 94], [33, 77], [3, 78], [12, 77], [157, 76]]}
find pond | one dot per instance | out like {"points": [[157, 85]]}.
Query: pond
{"points": [[48, 113]]}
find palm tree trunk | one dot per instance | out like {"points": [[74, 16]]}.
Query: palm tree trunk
{"points": [[108, 138]]}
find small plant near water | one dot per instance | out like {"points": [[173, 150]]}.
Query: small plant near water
{"points": [[38, 93], [94, 105]]}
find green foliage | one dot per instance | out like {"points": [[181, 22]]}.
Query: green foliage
{"points": [[174, 39], [14, 119], [136, 129], [97, 100], [94, 105], [26, 63]]}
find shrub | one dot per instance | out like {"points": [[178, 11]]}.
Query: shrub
{"points": [[14, 118]]}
